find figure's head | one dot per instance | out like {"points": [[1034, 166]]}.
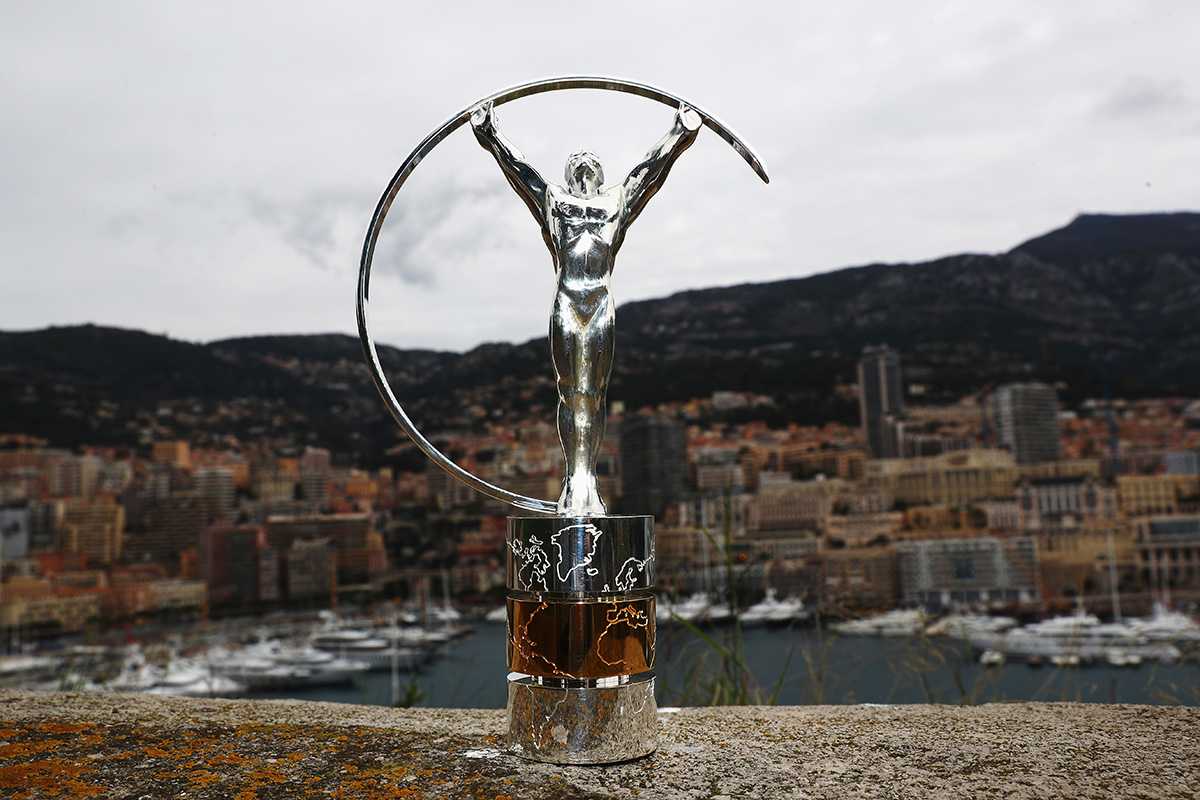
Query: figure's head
{"points": [[584, 174]]}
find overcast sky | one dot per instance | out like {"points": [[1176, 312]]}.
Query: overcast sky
{"points": [[208, 170]]}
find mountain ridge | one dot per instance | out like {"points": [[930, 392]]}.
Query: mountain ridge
{"points": [[1106, 303]]}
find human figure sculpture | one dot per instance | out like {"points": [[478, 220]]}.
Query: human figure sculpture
{"points": [[583, 223]]}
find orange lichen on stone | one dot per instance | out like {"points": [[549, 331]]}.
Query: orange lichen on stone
{"points": [[258, 779], [235, 760], [227, 759], [59, 727], [22, 749], [203, 777], [51, 777]]}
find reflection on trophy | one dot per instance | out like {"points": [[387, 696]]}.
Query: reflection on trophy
{"points": [[584, 224], [581, 621]]}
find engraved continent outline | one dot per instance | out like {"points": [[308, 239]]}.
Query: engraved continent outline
{"points": [[534, 557], [586, 561]]}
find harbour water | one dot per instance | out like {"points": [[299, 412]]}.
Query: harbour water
{"points": [[799, 665]]}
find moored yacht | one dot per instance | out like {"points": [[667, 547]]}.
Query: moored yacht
{"points": [[773, 611], [662, 610], [185, 678], [25, 669], [718, 613], [758, 613], [693, 609], [897, 622], [1167, 626], [790, 609], [376, 653], [963, 626]]}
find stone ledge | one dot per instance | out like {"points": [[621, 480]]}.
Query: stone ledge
{"points": [[136, 746]]}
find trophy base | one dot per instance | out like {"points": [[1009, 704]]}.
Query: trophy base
{"points": [[581, 609], [582, 724], [580, 555]]}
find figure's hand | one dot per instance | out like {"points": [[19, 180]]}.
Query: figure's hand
{"points": [[483, 118], [688, 119]]}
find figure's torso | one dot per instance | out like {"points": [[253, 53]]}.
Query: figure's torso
{"points": [[583, 237]]}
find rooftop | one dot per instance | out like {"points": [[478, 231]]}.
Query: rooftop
{"points": [[96, 745]]}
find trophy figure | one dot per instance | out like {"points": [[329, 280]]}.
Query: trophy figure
{"points": [[581, 617], [584, 224]]}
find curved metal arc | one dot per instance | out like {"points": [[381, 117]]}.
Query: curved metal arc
{"points": [[393, 188], [427, 447]]}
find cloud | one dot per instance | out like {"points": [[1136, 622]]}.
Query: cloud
{"points": [[1144, 96], [313, 224], [441, 226], [161, 169]]}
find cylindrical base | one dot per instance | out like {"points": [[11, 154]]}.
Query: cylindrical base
{"points": [[581, 639], [582, 724]]}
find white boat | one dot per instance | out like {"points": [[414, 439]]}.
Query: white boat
{"points": [[898, 622], [188, 679], [790, 609], [1085, 639], [1065, 660], [405, 659], [183, 677], [1167, 626], [262, 673], [307, 666], [757, 613], [718, 613], [1069, 626], [414, 636], [331, 638], [662, 610], [1119, 658], [772, 610], [16, 670], [445, 614], [991, 658], [499, 615], [963, 626], [376, 652], [691, 610]]}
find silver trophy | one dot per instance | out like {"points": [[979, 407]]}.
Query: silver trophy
{"points": [[581, 620]]}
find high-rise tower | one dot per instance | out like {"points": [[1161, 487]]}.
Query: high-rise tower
{"points": [[1025, 419], [880, 399]]}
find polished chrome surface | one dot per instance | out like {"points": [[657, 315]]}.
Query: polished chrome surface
{"points": [[586, 725], [581, 639], [582, 216], [583, 223], [580, 555]]}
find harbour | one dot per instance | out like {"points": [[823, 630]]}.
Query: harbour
{"points": [[780, 652], [808, 666]]}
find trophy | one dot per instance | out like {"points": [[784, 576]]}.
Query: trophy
{"points": [[581, 618]]}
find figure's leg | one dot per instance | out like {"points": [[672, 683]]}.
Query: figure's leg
{"points": [[593, 406], [582, 352], [563, 347]]}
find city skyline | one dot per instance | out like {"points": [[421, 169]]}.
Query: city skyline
{"points": [[193, 161]]}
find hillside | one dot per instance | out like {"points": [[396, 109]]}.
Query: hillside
{"points": [[1108, 302]]}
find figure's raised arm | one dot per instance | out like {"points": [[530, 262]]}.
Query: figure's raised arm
{"points": [[526, 180], [648, 176]]}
